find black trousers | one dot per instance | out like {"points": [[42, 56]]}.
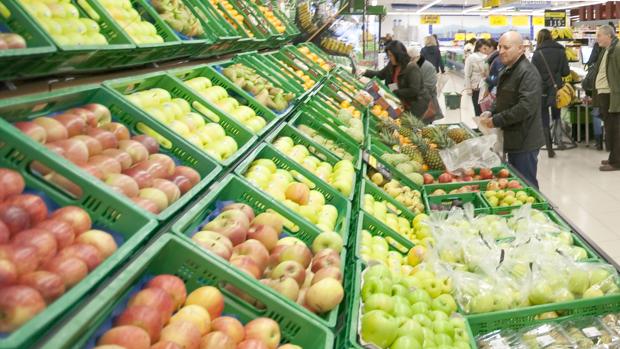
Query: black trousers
{"points": [[612, 130], [527, 163], [475, 94]]}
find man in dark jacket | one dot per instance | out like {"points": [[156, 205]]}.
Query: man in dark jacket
{"points": [[517, 107]]}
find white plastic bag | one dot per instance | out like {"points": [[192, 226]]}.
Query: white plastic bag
{"points": [[472, 153]]}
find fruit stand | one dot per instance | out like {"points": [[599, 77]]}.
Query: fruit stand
{"points": [[253, 203]]}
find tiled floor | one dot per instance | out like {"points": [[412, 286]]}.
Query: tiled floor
{"points": [[571, 180]]}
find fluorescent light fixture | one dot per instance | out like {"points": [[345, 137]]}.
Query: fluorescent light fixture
{"points": [[588, 3], [426, 7], [475, 8]]}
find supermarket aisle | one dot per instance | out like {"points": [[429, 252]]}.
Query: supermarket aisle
{"points": [[571, 180]]}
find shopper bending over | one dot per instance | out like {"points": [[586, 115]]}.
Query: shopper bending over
{"points": [[550, 60], [517, 107], [607, 96], [476, 70], [431, 53], [429, 78], [404, 79]]}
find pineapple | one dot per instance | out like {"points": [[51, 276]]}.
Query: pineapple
{"points": [[413, 152], [458, 134], [439, 137], [430, 152], [388, 138], [409, 125]]}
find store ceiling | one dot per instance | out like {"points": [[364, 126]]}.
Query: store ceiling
{"points": [[473, 7]]}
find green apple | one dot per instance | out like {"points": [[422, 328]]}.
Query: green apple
{"points": [[379, 328], [378, 270], [598, 275], [429, 337], [592, 292], [413, 328], [458, 345], [379, 301], [481, 303], [411, 282], [401, 307], [432, 286], [443, 326], [502, 301], [406, 342], [540, 294], [563, 295], [420, 308], [423, 320], [400, 290], [442, 339], [437, 315], [445, 303], [419, 295], [376, 284]]}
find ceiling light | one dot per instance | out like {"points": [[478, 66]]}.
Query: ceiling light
{"points": [[428, 6]]}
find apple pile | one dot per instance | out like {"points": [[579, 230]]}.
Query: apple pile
{"points": [[352, 126], [253, 244], [176, 113], [229, 105], [377, 249], [410, 198], [504, 198], [163, 316], [140, 31], [341, 176], [409, 311], [468, 176], [327, 143], [61, 19], [388, 214], [42, 254], [11, 41], [131, 166], [297, 196]]}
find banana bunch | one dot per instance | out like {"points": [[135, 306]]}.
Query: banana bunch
{"points": [[571, 54], [564, 96], [562, 33]]}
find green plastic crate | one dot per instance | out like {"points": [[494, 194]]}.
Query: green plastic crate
{"points": [[315, 49], [225, 36], [295, 62], [256, 40], [480, 204], [447, 187], [18, 109], [275, 77], [293, 53], [145, 53], [328, 132], [286, 68], [286, 130], [376, 228], [178, 89], [348, 77], [232, 188], [376, 150], [184, 74], [171, 255], [328, 119], [29, 61], [394, 207], [541, 203], [130, 226], [332, 197], [258, 21], [118, 52], [519, 318], [495, 170], [291, 30], [244, 41]]}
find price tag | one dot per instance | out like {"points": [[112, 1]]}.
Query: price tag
{"points": [[591, 332], [372, 162], [545, 340], [499, 344], [393, 86]]}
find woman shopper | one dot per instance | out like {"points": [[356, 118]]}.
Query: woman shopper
{"points": [[550, 61], [476, 70], [431, 53], [404, 79]]}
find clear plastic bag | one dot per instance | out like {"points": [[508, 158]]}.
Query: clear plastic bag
{"points": [[472, 153]]}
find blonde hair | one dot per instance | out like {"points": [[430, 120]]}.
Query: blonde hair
{"points": [[430, 41]]}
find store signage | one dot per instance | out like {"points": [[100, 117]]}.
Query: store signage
{"points": [[538, 21], [555, 18], [459, 36], [520, 21], [470, 36], [429, 19], [498, 21], [490, 3], [485, 35]]}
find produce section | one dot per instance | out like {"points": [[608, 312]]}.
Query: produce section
{"points": [[269, 200]]}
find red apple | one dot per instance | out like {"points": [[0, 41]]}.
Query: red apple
{"points": [[445, 178], [233, 224], [75, 124], [247, 209], [184, 333], [248, 265], [11, 181], [155, 195], [469, 172], [514, 184], [265, 330], [18, 304], [44, 242], [8, 273], [61, 230], [467, 179], [106, 164], [146, 318], [486, 173], [503, 183], [123, 184], [265, 234], [102, 113], [141, 176], [209, 298], [170, 189], [92, 144], [5, 233], [49, 285], [87, 253], [136, 150], [101, 240], [325, 258], [121, 156], [503, 173], [157, 299], [120, 131], [76, 216], [84, 114], [173, 285], [149, 142], [188, 172], [127, 336], [33, 204], [428, 178], [25, 258], [182, 182], [166, 161], [290, 269], [297, 192], [14, 217], [166, 345], [75, 150], [324, 295], [252, 344], [106, 138], [155, 168], [70, 269], [298, 253], [327, 272], [93, 170], [214, 242], [269, 219], [230, 326], [255, 250], [146, 204], [54, 130], [217, 340], [32, 130]]}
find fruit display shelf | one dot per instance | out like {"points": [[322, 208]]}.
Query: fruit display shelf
{"points": [[539, 201], [214, 74], [117, 51], [27, 108], [177, 89], [128, 225], [172, 255], [298, 64], [310, 59], [469, 186], [233, 189], [502, 171], [290, 71], [257, 20], [270, 72], [351, 130], [251, 39], [321, 154], [302, 175], [395, 241], [348, 77], [303, 121], [26, 62], [290, 30], [376, 150], [228, 38]]}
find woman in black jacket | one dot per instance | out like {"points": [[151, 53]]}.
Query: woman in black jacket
{"points": [[550, 61], [405, 79], [431, 53]]}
